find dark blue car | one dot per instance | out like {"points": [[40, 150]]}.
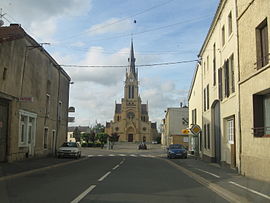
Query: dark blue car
{"points": [[176, 151]]}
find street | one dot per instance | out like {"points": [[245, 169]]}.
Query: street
{"points": [[124, 174]]}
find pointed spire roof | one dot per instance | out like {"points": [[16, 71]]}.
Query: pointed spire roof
{"points": [[132, 60]]}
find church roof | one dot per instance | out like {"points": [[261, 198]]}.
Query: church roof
{"points": [[131, 61], [144, 108], [118, 108]]}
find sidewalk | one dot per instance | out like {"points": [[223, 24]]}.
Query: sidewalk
{"points": [[252, 189], [9, 169]]}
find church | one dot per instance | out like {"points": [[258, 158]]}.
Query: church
{"points": [[131, 120]]}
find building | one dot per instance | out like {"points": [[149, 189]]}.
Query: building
{"points": [[34, 96], [195, 103], [82, 129], [176, 120], [217, 84], [131, 119], [254, 85]]}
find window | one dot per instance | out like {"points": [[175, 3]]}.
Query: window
{"points": [[206, 98], [45, 138], [230, 130], [59, 111], [130, 92], [214, 64], [194, 116], [262, 44], [226, 79], [223, 35], [5, 73], [204, 68], [207, 93], [230, 23], [231, 68], [27, 124], [220, 86], [47, 105], [261, 115], [130, 115], [118, 118]]}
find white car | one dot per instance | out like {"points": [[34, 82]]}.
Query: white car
{"points": [[69, 149]]}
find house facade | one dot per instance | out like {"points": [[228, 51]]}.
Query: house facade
{"points": [[176, 120], [131, 120], [34, 95], [254, 85]]}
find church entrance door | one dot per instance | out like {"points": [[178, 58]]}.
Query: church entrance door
{"points": [[130, 137]]}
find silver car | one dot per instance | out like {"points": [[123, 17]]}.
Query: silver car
{"points": [[69, 149]]}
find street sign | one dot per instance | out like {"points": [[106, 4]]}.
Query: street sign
{"points": [[185, 131], [26, 99], [195, 129]]}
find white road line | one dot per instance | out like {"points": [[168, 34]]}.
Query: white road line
{"points": [[103, 177], [90, 155], [100, 155], [111, 155], [133, 155], [143, 155], [251, 190], [81, 196], [212, 174], [121, 154], [116, 167]]}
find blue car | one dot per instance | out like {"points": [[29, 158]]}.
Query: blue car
{"points": [[176, 151]]}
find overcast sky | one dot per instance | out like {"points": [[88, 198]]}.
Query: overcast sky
{"points": [[98, 32]]}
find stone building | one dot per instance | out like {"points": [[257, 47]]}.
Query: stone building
{"points": [[131, 119], [254, 85], [34, 95]]}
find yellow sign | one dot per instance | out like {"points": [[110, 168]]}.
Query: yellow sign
{"points": [[185, 131], [195, 129]]}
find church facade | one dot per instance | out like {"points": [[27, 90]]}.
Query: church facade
{"points": [[131, 120]]}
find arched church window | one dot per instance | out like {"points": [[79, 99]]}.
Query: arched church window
{"points": [[144, 128], [130, 115]]}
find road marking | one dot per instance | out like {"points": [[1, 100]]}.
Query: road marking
{"points": [[90, 155], [251, 190], [224, 193], [212, 174], [100, 155], [81, 196], [111, 155], [133, 155], [121, 154], [143, 155], [103, 177], [116, 167]]}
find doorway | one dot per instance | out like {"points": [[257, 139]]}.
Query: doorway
{"points": [[3, 129], [130, 137]]}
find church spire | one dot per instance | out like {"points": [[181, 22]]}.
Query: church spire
{"points": [[131, 61]]}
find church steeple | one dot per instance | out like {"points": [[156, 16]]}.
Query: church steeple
{"points": [[131, 61]]}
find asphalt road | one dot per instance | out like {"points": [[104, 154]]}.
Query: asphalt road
{"points": [[108, 179]]}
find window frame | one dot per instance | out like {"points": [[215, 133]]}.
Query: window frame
{"points": [[262, 44]]}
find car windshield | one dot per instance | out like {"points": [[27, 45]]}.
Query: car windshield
{"points": [[69, 144], [176, 146]]}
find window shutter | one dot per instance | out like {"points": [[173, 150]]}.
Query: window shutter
{"points": [[258, 120], [220, 93]]}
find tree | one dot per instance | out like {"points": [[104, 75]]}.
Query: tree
{"points": [[102, 137], [77, 134], [92, 136], [113, 138], [85, 137]]}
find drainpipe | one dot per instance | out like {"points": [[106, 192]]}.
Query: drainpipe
{"points": [[239, 106], [57, 114]]}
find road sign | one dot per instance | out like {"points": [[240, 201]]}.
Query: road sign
{"points": [[195, 129], [185, 131]]}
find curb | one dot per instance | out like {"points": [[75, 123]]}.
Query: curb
{"points": [[39, 169]]}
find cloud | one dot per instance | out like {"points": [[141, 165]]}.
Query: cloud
{"points": [[41, 18], [110, 26]]}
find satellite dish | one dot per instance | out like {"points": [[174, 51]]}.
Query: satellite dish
{"points": [[1, 23]]}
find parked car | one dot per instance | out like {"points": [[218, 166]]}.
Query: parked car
{"points": [[176, 151], [142, 146], [69, 149]]}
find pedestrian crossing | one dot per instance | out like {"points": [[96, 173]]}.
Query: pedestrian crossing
{"points": [[127, 155]]}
